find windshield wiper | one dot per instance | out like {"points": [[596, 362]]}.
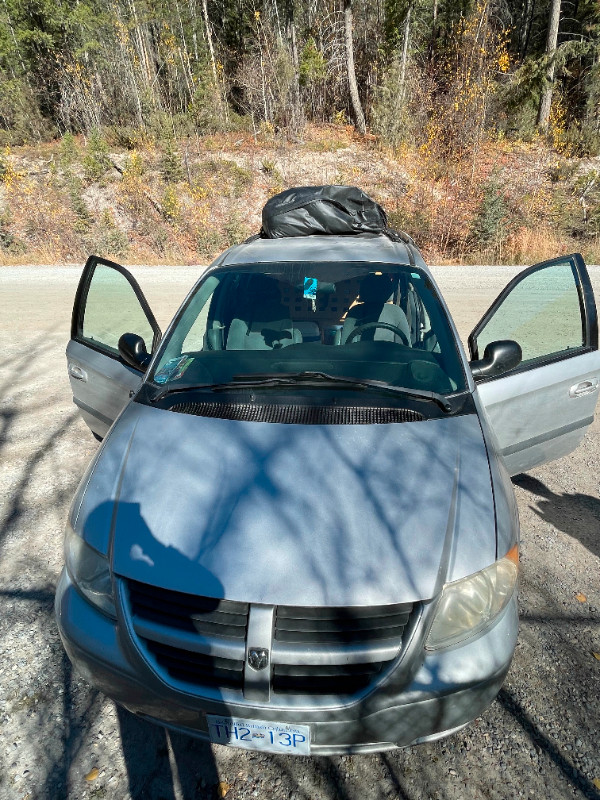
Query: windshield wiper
{"points": [[275, 380], [286, 378], [308, 377]]}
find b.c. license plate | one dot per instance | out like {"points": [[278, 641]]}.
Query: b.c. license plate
{"points": [[256, 734]]}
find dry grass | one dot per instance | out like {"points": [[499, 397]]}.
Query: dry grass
{"points": [[140, 211]]}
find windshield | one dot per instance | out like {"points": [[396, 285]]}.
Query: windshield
{"points": [[365, 321]]}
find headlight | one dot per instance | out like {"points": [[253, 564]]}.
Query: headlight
{"points": [[469, 605], [89, 571]]}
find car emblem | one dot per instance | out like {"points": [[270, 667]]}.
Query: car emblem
{"points": [[258, 657]]}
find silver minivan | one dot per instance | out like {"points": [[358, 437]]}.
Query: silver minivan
{"points": [[299, 533]]}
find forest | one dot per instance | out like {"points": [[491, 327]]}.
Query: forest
{"points": [[475, 122]]}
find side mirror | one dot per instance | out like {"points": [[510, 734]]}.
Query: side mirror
{"points": [[498, 357], [132, 350]]}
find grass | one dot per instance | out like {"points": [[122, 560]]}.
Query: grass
{"points": [[63, 200]]}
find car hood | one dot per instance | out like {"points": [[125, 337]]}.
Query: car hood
{"points": [[291, 514]]}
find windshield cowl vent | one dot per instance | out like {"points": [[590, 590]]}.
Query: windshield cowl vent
{"points": [[300, 414]]}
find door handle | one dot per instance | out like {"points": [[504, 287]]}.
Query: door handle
{"points": [[583, 388], [77, 372]]}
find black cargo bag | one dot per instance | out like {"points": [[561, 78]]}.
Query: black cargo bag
{"points": [[310, 210]]}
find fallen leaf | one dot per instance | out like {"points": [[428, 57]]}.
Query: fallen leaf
{"points": [[596, 783], [581, 597], [596, 656], [92, 774], [222, 788]]}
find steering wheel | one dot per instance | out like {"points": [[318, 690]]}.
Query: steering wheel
{"points": [[370, 325]]}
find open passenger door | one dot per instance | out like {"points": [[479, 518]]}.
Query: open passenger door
{"points": [[541, 409], [108, 303]]}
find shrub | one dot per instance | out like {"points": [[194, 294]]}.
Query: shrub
{"points": [[235, 229], [111, 240], [96, 161], [489, 227], [68, 152], [171, 167], [171, 206]]}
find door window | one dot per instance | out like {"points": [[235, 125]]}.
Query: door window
{"points": [[112, 307], [542, 311]]}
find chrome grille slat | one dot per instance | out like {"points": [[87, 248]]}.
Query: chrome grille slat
{"points": [[210, 646], [352, 653]]}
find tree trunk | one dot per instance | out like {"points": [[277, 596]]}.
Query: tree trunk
{"points": [[405, 53], [209, 40], [525, 31], [543, 118], [358, 112]]}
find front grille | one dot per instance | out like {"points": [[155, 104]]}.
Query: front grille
{"points": [[201, 642], [196, 668], [189, 612], [338, 679], [300, 414], [339, 628], [340, 625], [156, 611]]}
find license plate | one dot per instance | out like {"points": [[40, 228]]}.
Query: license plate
{"points": [[255, 734]]}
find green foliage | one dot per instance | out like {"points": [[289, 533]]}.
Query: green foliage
{"points": [[96, 162], [582, 141], [489, 227], [126, 136], [21, 119], [79, 205], [110, 239], [229, 178], [313, 66], [8, 241], [171, 167], [235, 229], [209, 241], [391, 117], [68, 152]]}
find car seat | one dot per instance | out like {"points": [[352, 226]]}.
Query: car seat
{"points": [[374, 292], [262, 323]]}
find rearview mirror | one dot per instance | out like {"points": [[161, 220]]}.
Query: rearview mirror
{"points": [[498, 358], [132, 350]]}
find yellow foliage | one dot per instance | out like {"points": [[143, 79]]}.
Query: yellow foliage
{"points": [[10, 176]]}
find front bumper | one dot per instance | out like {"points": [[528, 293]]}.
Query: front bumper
{"points": [[451, 688]]}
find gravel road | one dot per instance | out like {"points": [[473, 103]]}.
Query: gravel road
{"points": [[61, 739]]}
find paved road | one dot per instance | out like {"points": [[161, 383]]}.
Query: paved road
{"points": [[539, 739]]}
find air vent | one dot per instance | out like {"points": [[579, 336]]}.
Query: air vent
{"points": [[300, 414]]}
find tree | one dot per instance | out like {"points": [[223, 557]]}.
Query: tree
{"points": [[356, 105], [543, 118]]}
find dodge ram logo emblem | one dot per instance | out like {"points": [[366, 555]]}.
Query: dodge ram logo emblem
{"points": [[258, 657]]}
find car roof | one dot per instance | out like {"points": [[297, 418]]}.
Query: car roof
{"points": [[362, 247]]}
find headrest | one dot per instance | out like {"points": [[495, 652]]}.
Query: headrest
{"points": [[376, 288], [262, 287]]}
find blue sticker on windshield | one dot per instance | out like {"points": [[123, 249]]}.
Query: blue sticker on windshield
{"points": [[173, 369], [310, 288], [414, 275]]}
